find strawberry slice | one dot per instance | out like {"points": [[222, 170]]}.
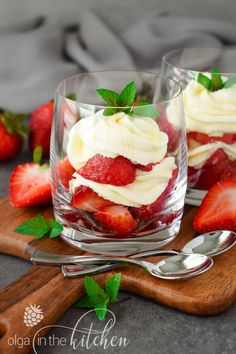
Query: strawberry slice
{"points": [[218, 208], [86, 199], [117, 172], [169, 129], [30, 186], [65, 172], [116, 218], [149, 210], [146, 168], [202, 138], [211, 172]]}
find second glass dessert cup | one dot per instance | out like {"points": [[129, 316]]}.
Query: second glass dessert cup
{"points": [[118, 161], [208, 79]]}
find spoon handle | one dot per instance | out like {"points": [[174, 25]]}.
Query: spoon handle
{"points": [[41, 257]]}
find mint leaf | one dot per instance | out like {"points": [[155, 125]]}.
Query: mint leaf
{"points": [[40, 227], [95, 292], [37, 154], [36, 226], [127, 95], [110, 97], [112, 287], [101, 309], [109, 111], [56, 228], [145, 109], [72, 96], [204, 81], [84, 302], [230, 82], [216, 80]]}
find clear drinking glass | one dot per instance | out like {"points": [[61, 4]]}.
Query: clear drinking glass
{"points": [[208, 79], [118, 173]]}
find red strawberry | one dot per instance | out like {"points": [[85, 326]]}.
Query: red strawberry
{"points": [[40, 127], [211, 172], [169, 129], [117, 172], [116, 218], [229, 172], [218, 208], [12, 134], [149, 210], [146, 168], [86, 199], [65, 172], [30, 186], [202, 138]]}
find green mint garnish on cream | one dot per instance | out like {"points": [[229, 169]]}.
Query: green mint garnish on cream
{"points": [[216, 82], [125, 102]]}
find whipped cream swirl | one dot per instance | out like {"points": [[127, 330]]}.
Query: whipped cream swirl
{"points": [[137, 138], [212, 113]]}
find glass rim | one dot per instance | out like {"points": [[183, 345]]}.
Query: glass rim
{"points": [[165, 60], [178, 86]]}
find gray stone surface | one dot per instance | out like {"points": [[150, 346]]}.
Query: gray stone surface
{"points": [[149, 327]]}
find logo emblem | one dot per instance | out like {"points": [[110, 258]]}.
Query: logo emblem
{"points": [[33, 315]]}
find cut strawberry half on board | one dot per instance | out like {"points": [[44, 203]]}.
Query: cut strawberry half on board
{"points": [[86, 199], [117, 171], [65, 172], [30, 186], [202, 138], [218, 208], [116, 218], [40, 127], [149, 210]]}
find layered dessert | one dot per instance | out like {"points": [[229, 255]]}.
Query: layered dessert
{"points": [[118, 169], [210, 111]]}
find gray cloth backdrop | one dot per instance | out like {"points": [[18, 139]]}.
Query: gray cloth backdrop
{"points": [[34, 57]]}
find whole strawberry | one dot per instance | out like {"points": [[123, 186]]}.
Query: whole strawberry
{"points": [[40, 127], [12, 134]]}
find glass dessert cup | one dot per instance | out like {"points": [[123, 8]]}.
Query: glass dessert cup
{"points": [[118, 170], [207, 76]]}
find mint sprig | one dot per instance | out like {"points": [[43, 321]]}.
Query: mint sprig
{"points": [[125, 102], [216, 82], [99, 298], [40, 227]]}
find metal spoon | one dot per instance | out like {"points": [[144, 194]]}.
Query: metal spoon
{"points": [[210, 244], [181, 266]]}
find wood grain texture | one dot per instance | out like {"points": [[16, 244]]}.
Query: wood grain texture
{"points": [[210, 293]]}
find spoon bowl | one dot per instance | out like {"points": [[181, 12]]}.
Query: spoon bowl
{"points": [[211, 243]]}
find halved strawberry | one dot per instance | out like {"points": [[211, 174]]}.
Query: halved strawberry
{"points": [[170, 130], [211, 172], [86, 199], [30, 186], [218, 208], [117, 171], [149, 210], [228, 138], [65, 172], [116, 218], [40, 127]]}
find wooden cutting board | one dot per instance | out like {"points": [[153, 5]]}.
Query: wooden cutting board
{"points": [[208, 294]]}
